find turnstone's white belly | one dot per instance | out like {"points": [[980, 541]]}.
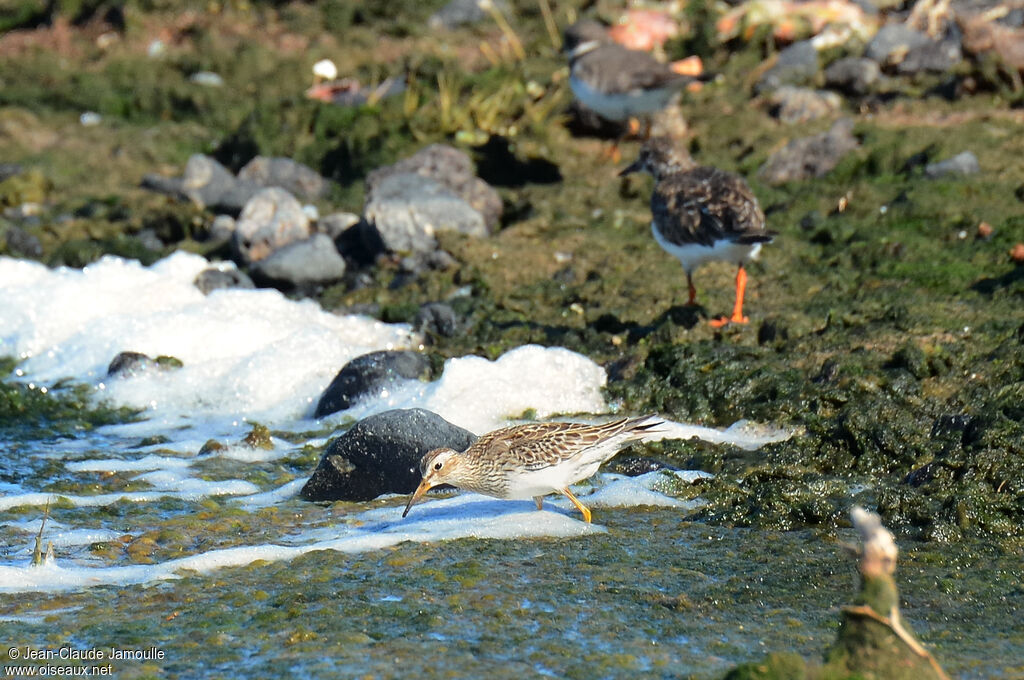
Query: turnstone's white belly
{"points": [[693, 255], [619, 107]]}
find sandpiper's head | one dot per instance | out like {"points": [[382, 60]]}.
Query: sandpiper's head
{"points": [[437, 467], [583, 36], [661, 156]]}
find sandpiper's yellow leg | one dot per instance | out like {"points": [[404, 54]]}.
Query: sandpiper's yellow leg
{"points": [[579, 506], [539, 500]]}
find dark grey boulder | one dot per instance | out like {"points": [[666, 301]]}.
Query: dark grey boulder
{"points": [[206, 183], [406, 210], [213, 279], [935, 56], [128, 364], [20, 243], [894, 41], [367, 375], [962, 164], [853, 75], [450, 167], [381, 454], [300, 265], [292, 176], [795, 65], [813, 156]]}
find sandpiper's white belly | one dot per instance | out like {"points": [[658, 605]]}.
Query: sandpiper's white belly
{"points": [[619, 107], [549, 480], [693, 255]]}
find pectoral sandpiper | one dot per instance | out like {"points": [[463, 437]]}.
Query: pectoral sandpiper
{"points": [[531, 461]]}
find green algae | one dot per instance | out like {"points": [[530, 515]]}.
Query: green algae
{"points": [[606, 603]]}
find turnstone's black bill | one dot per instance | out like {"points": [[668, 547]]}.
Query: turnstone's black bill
{"points": [[614, 82], [700, 214]]}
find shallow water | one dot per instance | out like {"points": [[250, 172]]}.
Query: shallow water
{"points": [[208, 556]]}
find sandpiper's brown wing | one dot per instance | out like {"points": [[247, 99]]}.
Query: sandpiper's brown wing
{"points": [[540, 445], [616, 70], [705, 205]]}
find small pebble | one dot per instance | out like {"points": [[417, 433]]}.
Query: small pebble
{"points": [[207, 78], [90, 118], [1017, 253]]}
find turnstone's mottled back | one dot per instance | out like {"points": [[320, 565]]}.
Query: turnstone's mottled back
{"points": [[700, 214]]}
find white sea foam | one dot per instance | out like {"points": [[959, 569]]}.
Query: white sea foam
{"points": [[743, 433], [482, 395], [119, 465], [185, 488], [246, 354], [461, 516]]}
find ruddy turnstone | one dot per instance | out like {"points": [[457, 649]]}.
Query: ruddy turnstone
{"points": [[531, 461], [700, 214], [615, 82]]}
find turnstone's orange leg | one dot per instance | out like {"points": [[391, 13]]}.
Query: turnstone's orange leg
{"points": [[539, 500], [737, 310], [634, 126], [579, 506], [693, 291]]}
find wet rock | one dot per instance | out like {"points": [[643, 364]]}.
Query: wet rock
{"points": [[853, 75], [20, 243], [800, 104], [335, 224], [128, 364], [461, 13], [435, 260], [222, 228], [150, 240], [436, 318], [964, 163], [216, 278], [294, 177], [301, 265], [9, 170], [368, 375], [795, 65], [206, 183], [451, 168], [935, 56], [893, 42], [636, 466], [381, 454], [813, 156], [272, 219], [406, 210]]}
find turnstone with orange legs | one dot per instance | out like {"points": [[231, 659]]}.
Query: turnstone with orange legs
{"points": [[700, 214]]}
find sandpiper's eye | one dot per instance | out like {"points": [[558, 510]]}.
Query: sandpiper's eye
{"points": [[438, 465]]}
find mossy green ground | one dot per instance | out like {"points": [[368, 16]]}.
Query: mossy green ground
{"points": [[887, 332]]}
